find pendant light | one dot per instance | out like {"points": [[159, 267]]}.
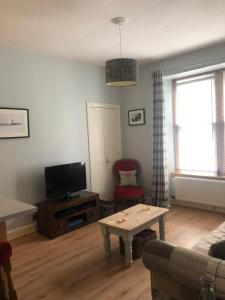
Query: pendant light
{"points": [[120, 71]]}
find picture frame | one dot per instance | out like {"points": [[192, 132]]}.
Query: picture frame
{"points": [[136, 117], [14, 123]]}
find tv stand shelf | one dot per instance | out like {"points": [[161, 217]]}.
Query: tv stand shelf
{"points": [[56, 217]]}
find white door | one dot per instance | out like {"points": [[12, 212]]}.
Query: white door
{"points": [[104, 146]]}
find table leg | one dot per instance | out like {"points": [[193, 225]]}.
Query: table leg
{"points": [[3, 234], [128, 249], [162, 228], [106, 237]]}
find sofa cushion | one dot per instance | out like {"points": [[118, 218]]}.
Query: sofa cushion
{"points": [[218, 250], [213, 237]]}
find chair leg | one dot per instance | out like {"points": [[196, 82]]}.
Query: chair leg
{"points": [[11, 289], [143, 200], [117, 205], [135, 201], [3, 285]]}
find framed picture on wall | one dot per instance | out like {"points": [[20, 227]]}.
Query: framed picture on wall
{"points": [[136, 117], [14, 123]]}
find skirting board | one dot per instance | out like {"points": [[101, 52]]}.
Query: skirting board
{"points": [[21, 231], [214, 208]]}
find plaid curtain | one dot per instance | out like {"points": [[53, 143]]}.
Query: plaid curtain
{"points": [[160, 173]]}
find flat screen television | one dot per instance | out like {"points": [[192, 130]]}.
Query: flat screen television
{"points": [[65, 180]]}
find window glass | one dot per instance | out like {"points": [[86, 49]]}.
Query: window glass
{"points": [[195, 123]]}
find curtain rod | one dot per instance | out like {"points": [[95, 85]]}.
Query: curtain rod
{"points": [[182, 69]]}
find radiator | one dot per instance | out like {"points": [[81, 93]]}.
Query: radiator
{"points": [[201, 191]]}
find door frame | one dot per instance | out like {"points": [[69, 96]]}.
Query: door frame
{"points": [[89, 105]]}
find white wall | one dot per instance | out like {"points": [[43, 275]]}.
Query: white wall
{"points": [[138, 141], [55, 91]]}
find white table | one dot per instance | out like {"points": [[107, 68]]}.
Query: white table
{"points": [[9, 209], [129, 222]]}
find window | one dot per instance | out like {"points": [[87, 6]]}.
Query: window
{"points": [[199, 123]]}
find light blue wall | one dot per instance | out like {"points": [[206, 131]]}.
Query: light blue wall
{"points": [[138, 141], [55, 91]]}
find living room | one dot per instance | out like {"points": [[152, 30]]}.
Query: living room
{"points": [[52, 67]]}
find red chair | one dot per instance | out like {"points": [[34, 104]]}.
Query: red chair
{"points": [[7, 291], [135, 193]]}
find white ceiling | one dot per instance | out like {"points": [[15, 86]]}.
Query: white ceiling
{"points": [[81, 29]]}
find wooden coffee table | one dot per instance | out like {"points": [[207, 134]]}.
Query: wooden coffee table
{"points": [[129, 222]]}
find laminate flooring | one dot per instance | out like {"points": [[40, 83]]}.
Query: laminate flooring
{"points": [[73, 266]]}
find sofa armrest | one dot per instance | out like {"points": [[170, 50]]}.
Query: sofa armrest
{"points": [[182, 268], [156, 256], [176, 263]]}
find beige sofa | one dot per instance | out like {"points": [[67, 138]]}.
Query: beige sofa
{"points": [[176, 271]]}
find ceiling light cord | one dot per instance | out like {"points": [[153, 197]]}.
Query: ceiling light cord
{"points": [[120, 35], [120, 71]]}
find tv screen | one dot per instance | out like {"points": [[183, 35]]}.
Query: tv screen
{"points": [[63, 180]]}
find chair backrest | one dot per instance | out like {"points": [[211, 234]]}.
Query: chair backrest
{"points": [[126, 165]]}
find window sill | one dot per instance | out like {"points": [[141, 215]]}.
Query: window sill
{"points": [[197, 175]]}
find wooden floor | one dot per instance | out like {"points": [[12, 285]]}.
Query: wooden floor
{"points": [[73, 266]]}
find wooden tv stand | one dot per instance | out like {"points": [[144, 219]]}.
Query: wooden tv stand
{"points": [[56, 217]]}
